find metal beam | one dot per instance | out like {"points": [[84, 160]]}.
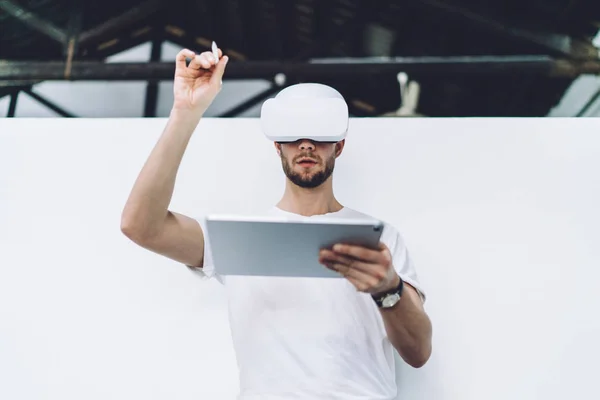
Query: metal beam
{"points": [[554, 44], [71, 44], [588, 105], [344, 32], [24, 71], [48, 104], [251, 102], [12, 106], [33, 21], [114, 25], [152, 87], [112, 47]]}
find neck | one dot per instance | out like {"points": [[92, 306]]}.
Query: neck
{"points": [[308, 202]]}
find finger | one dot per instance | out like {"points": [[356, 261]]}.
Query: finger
{"points": [[358, 284], [180, 59], [382, 247], [362, 253], [349, 262], [363, 281], [217, 76], [195, 62], [204, 61], [209, 57]]}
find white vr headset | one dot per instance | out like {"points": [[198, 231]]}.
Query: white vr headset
{"points": [[305, 111]]}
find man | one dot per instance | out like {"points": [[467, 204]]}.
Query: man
{"points": [[293, 338]]}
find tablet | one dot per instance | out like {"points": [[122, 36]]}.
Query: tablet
{"points": [[282, 247]]}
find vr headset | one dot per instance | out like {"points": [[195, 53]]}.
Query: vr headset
{"points": [[305, 111]]}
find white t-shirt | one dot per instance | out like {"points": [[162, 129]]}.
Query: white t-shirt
{"points": [[310, 338]]}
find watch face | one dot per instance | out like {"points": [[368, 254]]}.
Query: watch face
{"points": [[390, 300]]}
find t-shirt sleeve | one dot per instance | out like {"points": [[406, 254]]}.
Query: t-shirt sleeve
{"points": [[208, 268], [403, 262]]}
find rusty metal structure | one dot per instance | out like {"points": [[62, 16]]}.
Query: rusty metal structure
{"points": [[471, 58]]}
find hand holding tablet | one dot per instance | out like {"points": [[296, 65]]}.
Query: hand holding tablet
{"points": [[274, 246]]}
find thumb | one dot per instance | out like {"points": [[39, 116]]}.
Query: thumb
{"points": [[217, 75]]}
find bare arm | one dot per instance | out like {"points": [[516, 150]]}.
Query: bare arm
{"points": [[146, 218], [409, 328]]}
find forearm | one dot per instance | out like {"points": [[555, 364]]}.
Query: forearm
{"points": [[409, 328], [147, 205]]}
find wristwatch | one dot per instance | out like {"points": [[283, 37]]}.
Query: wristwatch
{"points": [[390, 298]]}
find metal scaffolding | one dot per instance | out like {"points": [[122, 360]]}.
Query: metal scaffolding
{"points": [[84, 51]]}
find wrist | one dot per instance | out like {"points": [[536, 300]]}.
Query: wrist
{"points": [[186, 115], [388, 297], [183, 122], [394, 283]]}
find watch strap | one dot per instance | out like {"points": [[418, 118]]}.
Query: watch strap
{"points": [[381, 296]]}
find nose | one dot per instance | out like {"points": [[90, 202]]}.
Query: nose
{"points": [[306, 144]]}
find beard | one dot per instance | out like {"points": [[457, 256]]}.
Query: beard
{"points": [[308, 180]]}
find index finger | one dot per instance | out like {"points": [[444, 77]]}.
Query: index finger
{"points": [[180, 60], [358, 252]]}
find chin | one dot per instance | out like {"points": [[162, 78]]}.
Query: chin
{"points": [[310, 170]]}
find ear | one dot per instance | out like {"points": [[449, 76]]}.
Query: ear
{"points": [[339, 147], [278, 148]]}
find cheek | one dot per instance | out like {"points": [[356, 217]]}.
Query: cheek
{"points": [[326, 150], [283, 151]]}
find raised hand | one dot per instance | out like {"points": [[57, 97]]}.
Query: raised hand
{"points": [[196, 85]]}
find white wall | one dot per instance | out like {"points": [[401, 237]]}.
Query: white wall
{"points": [[502, 218]]}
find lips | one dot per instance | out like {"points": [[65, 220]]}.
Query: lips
{"points": [[306, 160], [307, 163]]}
